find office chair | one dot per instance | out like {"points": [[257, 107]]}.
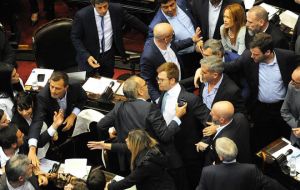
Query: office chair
{"points": [[53, 47]]}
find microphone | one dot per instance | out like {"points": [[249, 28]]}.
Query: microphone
{"points": [[111, 84], [281, 159], [108, 93]]}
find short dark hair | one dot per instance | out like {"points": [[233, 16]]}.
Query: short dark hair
{"points": [[93, 2], [24, 101], [263, 41], [163, 1], [57, 75], [171, 69], [8, 136], [96, 180]]}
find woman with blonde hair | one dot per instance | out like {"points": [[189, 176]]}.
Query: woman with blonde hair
{"points": [[233, 30], [148, 164]]}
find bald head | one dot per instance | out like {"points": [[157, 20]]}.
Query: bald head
{"points": [[162, 30], [296, 78], [259, 12], [223, 109]]}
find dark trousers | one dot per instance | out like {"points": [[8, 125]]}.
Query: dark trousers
{"points": [[268, 125], [107, 62]]}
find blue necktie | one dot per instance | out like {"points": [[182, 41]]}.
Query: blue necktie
{"points": [[164, 102], [102, 39]]}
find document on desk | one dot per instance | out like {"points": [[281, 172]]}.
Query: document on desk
{"points": [[288, 19], [46, 72], [46, 164], [98, 86], [272, 10], [77, 167], [249, 4], [119, 178], [296, 153]]}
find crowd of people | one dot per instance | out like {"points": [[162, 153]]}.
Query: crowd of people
{"points": [[166, 134]]}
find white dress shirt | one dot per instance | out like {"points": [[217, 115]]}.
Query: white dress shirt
{"points": [[169, 111], [213, 15]]}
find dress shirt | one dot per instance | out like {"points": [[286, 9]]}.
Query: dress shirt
{"points": [[108, 31], [213, 16], [229, 162], [220, 128], [169, 112], [208, 97], [170, 56], [6, 104], [183, 28], [27, 186], [270, 87], [4, 158], [63, 105]]}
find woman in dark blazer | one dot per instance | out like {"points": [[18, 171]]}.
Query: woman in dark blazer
{"points": [[148, 164]]}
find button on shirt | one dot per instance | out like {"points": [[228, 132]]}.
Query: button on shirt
{"points": [[170, 56], [213, 15], [208, 97], [270, 86], [108, 32], [169, 110], [183, 28]]}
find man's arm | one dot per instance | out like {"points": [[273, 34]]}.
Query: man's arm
{"points": [[286, 113], [134, 22], [6, 50]]}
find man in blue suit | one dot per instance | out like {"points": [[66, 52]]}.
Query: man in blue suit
{"points": [[178, 14], [97, 36]]}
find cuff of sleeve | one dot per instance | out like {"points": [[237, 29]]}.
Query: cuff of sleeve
{"points": [[177, 120], [111, 129], [32, 142], [156, 101], [51, 131], [76, 111]]}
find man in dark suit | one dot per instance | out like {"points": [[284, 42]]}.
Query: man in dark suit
{"points": [[217, 86], [19, 175], [192, 122], [268, 72], [258, 21], [96, 49], [231, 175], [228, 124], [159, 50], [56, 96], [137, 113], [295, 42], [209, 16], [7, 54], [178, 14]]}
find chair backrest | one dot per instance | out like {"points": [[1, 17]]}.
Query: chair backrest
{"points": [[53, 47]]}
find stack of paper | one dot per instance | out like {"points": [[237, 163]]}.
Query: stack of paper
{"points": [[288, 18], [98, 86]]}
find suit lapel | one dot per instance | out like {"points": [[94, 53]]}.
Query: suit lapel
{"points": [[93, 26], [282, 66], [113, 19]]}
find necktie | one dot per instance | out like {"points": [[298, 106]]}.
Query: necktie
{"points": [[102, 39], [164, 102]]}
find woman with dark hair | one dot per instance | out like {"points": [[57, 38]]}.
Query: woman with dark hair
{"points": [[233, 30], [10, 84], [4, 121], [148, 164]]}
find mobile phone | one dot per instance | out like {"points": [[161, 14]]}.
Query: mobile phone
{"points": [[181, 102], [41, 77]]}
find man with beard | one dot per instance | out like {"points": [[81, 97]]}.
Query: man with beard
{"points": [[257, 21], [291, 107], [268, 71]]}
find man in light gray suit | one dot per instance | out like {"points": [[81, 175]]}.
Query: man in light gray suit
{"points": [[290, 110]]}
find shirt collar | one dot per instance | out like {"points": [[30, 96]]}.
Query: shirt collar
{"points": [[217, 85], [62, 99], [97, 14], [175, 90], [162, 50], [222, 127], [217, 7], [229, 162], [171, 17], [273, 62]]}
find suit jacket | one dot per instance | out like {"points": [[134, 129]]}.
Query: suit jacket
{"points": [[33, 180], [191, 127], [7, 54], [152, 58], [295, 34], [139, 114], [24, 127], [238, 131], [160, 17], [85, 37], [236, 176], [228, 91], [279, 39], [46, 105], [200, 12], [287, 61]]}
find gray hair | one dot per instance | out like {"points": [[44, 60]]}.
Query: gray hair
{"points": [[215, 46], [260, 13], [226, 149], [214, 63], [16, 166], [130, 88]]}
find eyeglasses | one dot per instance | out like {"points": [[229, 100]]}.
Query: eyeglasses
{"points": [[160, 80]]}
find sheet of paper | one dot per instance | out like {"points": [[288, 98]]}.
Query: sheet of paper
{"points": [[249, 4], [288, 18], [46, 72], [270, 9], [77, 77], [76, 167], [46, 164], [119, 178], [98, 86]]}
